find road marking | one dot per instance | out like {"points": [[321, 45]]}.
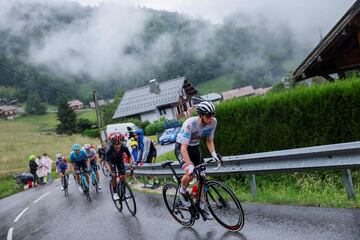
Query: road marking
{"points": [[58, 187], [41, 197], [10, 232], [18, 217]]}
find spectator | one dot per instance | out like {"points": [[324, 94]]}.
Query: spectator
{"points": [[147, 154], [135, 151], [41, 170], [33, 167], [48, 165]]}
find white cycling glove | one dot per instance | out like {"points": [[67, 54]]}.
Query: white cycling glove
{"points": [[215, 156], [190, 168]]}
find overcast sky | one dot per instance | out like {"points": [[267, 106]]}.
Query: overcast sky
{"points": [[305, 17], [93, 47]]}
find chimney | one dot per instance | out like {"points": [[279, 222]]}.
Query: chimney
{"points": [[154, 86]]}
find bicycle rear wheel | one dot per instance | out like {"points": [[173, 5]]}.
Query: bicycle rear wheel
{"points": [[103, 169], [65, 185], [85, 187], [129, 198], [94, 182], [173, 203], [118, 203], [224, 205]]}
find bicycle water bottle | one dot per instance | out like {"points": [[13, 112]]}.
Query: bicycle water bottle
{"points": [[194, 191]]}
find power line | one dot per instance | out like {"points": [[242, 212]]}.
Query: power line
{"points": [[12, 71]]}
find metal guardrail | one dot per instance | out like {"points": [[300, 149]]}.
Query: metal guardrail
{"points": [[342, 156]]}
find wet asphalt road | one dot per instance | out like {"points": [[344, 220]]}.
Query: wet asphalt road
{"points": [[161, 149], [58, 217]]}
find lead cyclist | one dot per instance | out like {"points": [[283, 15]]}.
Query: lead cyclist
{"points": [[187, 149]]}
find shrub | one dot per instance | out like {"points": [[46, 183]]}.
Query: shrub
{"points": [[93, 133], [303, 117]]}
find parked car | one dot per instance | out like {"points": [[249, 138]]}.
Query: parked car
{"points": [[169, 135]]}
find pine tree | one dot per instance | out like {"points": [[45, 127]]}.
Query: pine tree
{"points": [[67, 118]]}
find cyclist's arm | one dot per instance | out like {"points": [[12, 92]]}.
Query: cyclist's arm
{"points": [[210, 145], [185, 153]]}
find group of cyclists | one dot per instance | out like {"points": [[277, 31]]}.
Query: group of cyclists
{"points": [[187, 152]]}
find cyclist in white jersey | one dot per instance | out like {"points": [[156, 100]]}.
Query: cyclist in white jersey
{"points": [[187, 151]]}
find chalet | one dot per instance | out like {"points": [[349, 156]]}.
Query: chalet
{"points": [[170, 99], [100, 103], [75, 104], [238, 92], [337, 52], [8, 112]]}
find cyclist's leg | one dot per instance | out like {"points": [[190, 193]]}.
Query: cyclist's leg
{"points": [[61, 176], [77, 175], [94, 165], [85, 169]]}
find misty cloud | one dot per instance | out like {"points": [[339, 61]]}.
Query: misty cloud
{"points": [[104, 41]]}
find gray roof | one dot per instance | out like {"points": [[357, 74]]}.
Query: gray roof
{"points": [[212, 96], [141, 100], [8, 108]]}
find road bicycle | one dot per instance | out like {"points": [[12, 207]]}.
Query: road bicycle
{"points": [[94, 179], [125, 193], [65, 182], [84, 185], [222, 203]]}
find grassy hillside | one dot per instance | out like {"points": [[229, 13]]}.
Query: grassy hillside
{"points": [[91, 115], [220, 84], [34, 135]]}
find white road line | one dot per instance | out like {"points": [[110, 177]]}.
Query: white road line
{"points": [[10, 232], [58, 187], [18, 217], [41, 197]]}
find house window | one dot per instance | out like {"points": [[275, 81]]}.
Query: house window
{"points": [[162, 111]]}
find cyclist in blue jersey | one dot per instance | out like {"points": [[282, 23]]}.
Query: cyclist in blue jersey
{"points": [[187, 151], [79, 161], [91, 155], [61, 167]]}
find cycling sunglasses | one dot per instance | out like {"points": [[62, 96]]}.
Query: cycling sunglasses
{"points": [[209, 116]]}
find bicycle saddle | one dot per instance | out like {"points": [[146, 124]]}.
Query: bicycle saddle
{"points": [[166, 163]]}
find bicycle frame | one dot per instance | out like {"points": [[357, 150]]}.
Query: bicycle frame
{"points": [[83, 181]]}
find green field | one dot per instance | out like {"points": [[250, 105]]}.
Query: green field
{"points": [[220, 84], [89, 114], [33, 135]]}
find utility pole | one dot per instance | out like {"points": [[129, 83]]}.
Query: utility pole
{"points": [[97, 114]]}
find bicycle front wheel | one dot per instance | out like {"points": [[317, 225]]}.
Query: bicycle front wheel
{"points": [[224, 205], [129, 198], [173, 203], [118, 203]]}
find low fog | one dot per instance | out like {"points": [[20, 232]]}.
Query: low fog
{"points": [[96, 39]]}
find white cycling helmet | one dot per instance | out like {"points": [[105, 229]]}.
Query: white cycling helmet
{"points": [[205, 108], [87, 146], [58, 155]]}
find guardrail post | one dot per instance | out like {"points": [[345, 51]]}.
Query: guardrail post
{"points": [[348, 184], [253, 185]]}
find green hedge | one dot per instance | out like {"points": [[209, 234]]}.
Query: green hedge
{"points": [[303, 117], [93, 133], [154, 128]]}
